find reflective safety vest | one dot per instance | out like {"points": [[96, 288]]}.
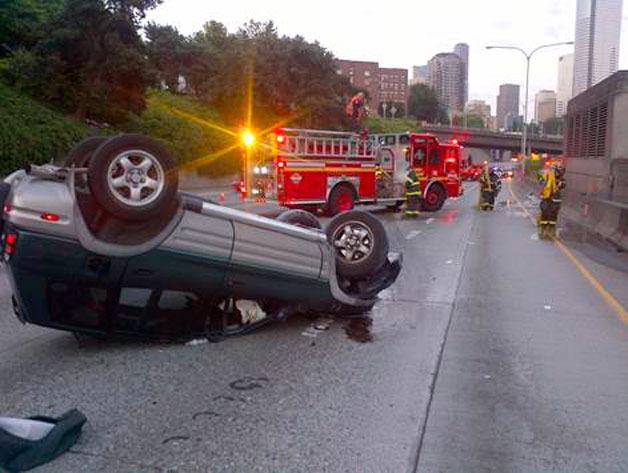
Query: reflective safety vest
{"points": [[553, 187], [413, 184]]}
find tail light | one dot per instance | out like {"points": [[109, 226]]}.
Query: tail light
{"points": [[49, 217], [281, 139], [10, 241]]}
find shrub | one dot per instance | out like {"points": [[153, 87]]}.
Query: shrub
{"points": [[32, 133], [183, 125]]}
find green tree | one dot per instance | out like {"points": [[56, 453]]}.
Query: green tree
{"points": [[553, 126], [167, 51], [473, 120], [21, 22], [423, 103], [291, 80], [90, 62]]}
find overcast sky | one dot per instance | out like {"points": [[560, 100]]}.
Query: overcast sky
{"points": [[403, 33]]}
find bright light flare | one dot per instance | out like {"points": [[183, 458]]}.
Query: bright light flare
{"points": [[248, 138]]}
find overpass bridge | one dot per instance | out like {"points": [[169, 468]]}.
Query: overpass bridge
{"points": [[488, 139]]}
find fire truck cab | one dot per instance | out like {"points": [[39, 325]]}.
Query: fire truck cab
{"points": [[338, 170]]}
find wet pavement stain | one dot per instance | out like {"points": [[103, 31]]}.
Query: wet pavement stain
{"points": [[205, 414], [359, 329], [175, 439], [248, 384]]}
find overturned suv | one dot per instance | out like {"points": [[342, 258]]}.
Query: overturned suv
{"points": [[105, 244]]}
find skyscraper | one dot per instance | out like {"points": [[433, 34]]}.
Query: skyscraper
{"points": [[462, 50], [445, 75], [564, 87], [419, 75], [507, 105], [544, 105], [598, 28]]}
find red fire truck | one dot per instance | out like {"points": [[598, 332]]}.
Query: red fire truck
{"points": [[337, 170]]}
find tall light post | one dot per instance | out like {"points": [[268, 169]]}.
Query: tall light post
{"points": [[528, 56]]}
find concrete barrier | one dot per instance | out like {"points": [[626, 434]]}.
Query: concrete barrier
{"points": [[586, 217]]}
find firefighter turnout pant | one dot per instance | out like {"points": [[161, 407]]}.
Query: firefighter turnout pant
{"points": [[549, 216], [413, 203]]}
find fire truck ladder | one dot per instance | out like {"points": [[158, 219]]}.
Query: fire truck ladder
{"points": [[327, 144]]}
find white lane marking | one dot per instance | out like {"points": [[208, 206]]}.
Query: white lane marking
{"points": [[413, 234], [449, 261], [547, 307], [429, 220], [534, 237]]}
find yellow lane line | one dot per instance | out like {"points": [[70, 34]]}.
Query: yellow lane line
{"points": [[614, 304]]}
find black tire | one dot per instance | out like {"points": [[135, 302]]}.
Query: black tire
{"points": [[128, 201], [434, 199], [341, 199], [80, 155], [300, 218], [351, 262]]}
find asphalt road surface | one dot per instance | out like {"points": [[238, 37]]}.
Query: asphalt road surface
{"points": [[492, 353]]}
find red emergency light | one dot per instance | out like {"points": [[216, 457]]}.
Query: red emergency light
{"points": [[281, 139]]}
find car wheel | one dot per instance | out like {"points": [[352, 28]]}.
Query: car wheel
{"points": [[341, 199], [434, 199], [133, 177], [360, 244], [80, 155], [300, 218]]}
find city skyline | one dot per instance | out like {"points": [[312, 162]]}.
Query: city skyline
{"points": [[597, 38], [525, 25]]}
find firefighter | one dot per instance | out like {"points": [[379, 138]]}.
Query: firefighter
{"points": [[355, 110], [413, 194], [551, 198], [487, 189]]}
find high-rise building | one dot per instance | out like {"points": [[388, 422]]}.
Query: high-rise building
{"points": [[598, 29], [462, 50], [565, 83], [544, 105], [393, 85], [507, 106], [419, 75], [445, 76]]}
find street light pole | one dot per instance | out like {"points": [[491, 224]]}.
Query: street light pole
{"points": [[528, 56]]}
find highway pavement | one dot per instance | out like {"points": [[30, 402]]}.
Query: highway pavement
{"points": [[493, 352]]}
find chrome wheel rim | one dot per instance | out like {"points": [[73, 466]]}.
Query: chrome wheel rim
{"points": [[353, 242], [136, 178]]}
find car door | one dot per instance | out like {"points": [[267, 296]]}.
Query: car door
{"points": [[274, 260]]}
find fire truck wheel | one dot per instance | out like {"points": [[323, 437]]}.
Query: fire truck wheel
{"points": [[300, 218], [80, 155], [341, 199], [360, 243], [434, 198], [133, 177]]}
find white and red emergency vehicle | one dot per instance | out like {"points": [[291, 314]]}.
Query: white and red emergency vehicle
{"points": [[337, 170]]}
